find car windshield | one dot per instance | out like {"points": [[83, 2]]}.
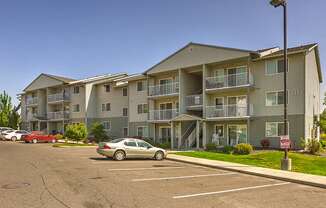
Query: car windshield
{"points": [[116, 140]]}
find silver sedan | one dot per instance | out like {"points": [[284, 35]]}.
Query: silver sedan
{"points": [[122, 148]]}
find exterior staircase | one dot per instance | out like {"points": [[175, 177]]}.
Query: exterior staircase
{"points": [[188, 139]]}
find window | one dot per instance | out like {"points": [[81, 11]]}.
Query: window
{"points": [[219, 102], [76, 90], [275, 98], [106, 125], [142, 108], [106, 107], [131, 144], [125, 111], [76, 108], [275, 66], [142, 131], [107, 88], [125, 131], [275, 129], [140, 86], [124, 91], [143, 144]]}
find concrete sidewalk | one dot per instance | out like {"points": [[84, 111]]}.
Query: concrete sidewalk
{"points": [[301, 178]]}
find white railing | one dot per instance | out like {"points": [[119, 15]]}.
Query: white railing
{"points": [[58, 97], [229, 81], [162, 115], [225, 111], [194, 100], [58, 115], [164, 89], [31, 100]]}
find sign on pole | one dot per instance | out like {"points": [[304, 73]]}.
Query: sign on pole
{"points": [[285, 142]]}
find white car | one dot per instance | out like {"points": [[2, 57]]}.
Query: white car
{"points": [[14, 135]]}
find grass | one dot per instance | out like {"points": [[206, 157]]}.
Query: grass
{"points": [[73, 145], [269, 159]]}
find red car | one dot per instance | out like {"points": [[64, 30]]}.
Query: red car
{"points": [[39, 136]]}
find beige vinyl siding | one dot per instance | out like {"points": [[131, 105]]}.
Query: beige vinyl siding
{"points": [[136, 98]]}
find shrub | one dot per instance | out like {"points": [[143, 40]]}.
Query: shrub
{"points": [[228, 149], [313, 146], [76, 132], [323, 143], [265, 143], [211, 147], [243, 149], [97, 130], [165, 145], [322, 136], [58, 136]]}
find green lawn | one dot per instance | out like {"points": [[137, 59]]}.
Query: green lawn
{"points": [[269, 159], [73, 145]]}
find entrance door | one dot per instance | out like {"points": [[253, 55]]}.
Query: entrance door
{"points": [[237, 134], [165, 86], [165, 134], [165, 111], [232, 78], [237, 106]]}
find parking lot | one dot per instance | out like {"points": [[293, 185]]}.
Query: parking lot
{"points": [[42, 176]]}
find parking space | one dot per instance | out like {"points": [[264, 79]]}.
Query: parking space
{"points": [[150, 183]]}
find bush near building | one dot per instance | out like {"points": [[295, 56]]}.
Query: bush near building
{"points": [[243, 149], [98, 132], [76, 132]]}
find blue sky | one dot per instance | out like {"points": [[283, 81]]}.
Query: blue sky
{"points": [[82, 38]]}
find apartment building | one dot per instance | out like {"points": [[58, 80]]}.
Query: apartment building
{"points": [[198, 95]]}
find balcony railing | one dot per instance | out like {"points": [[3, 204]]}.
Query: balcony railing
{"points": [[194, 100], [58, 115], [58, 97], [162, 115], [35, 116], [229, 81], [164, 89], [228, 111], [31, 101]]}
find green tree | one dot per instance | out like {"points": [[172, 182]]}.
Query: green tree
{"points": [[97, 130], [9, 115], [322, 121], [76, 132]]}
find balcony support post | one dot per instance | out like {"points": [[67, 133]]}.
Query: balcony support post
{"points": [[197, 134], [172, 134], [204, 135]]}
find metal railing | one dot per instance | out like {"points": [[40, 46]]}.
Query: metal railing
{"points": [[31, 100], [58, 115], [225, 111], [58, 97], [229, 81], [194, 100], [163, 115], [164, 89]]}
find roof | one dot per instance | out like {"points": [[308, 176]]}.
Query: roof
{"points": [[132, 77], [60, 78], [98, 78], [200, 44], [297, 49], [186, 117]]}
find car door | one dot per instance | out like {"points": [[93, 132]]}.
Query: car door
{"points": [[145, 149], [131, 149]]}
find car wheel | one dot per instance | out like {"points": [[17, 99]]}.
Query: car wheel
{"points": [[13, 138], [159, 155], [119, 155], [34, 141]]}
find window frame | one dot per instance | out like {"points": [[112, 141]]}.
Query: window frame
{"points": [[76, 91], [278, 59], [74, 108], [106, 87], [142, 86], [124, 90], [277, 91], [123, 112], [104, 126], [142, 108], [277, 123]]}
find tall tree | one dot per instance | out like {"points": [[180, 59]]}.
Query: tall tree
{"points": [[9, 115]]}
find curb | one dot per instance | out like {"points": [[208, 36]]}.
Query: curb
{"points": [[318, 185]]}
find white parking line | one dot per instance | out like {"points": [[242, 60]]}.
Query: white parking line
{"points": [[182, 177], [130, 169], [230, 190]]}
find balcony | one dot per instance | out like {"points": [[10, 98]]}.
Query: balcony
{"points": [[58, 115], [164, 90], [35, 116], [231, 81], [58, 97], [163, 115], [236, 111], [194, 102], [32, 101]]}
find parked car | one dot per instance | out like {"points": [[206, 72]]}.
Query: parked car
{"points": [[122, 148], [14, 135], [5, 132], [39, 136]]}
